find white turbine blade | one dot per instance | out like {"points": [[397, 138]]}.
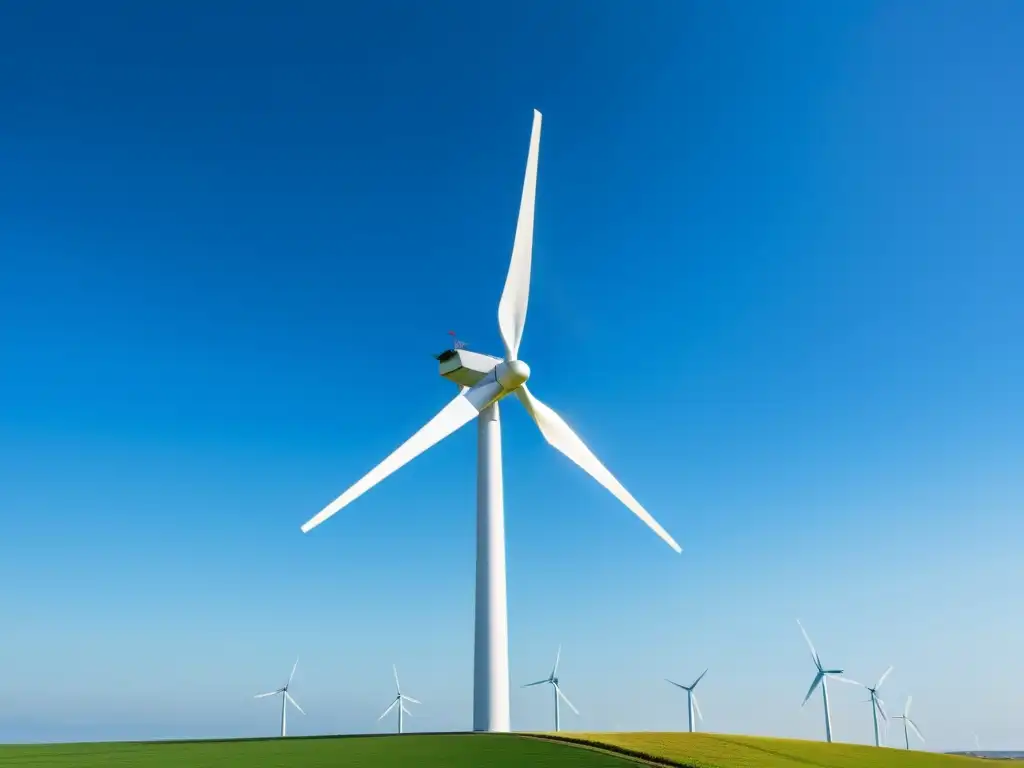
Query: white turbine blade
{"points": [[394, 669], [410, 698], [906, 708], [842, 679], [817, 679], [554, 669], [913, 727], [696, 706], [410, 714], [293, 702], [539, 682], [882, 678], [454, 415], [677, 685], [563, 439], [814, 653], [516, 294], [296, 664], [386, 711], [699, 679], [565, 698], [264, 695], [881, 708]]}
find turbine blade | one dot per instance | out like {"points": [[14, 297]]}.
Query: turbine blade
{"points": [[394, 669], [906, 708], [296, 664], [699, 679], [565, 698], [814, 653], [558, 656], [516, 294], [817, 679], [842, 679], [881, 708], [882, 678], [677, 685], [696, 706], [913, 727], [410, 698], [410, 714], [293, 701], [386, 711], [264, 695], [457, 413], [539, 682], [563, 439]]}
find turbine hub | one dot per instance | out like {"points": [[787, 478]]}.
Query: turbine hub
{"points": [[512, 374]]}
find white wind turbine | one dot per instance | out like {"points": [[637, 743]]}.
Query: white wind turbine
{"points": [[484, 380], [285, 699], [552, 680], [691, 698], [399, 701], [819, 679], [908, 723], [877, 705]]}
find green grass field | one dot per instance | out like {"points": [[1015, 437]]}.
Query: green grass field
{"points": [[468, 750]]}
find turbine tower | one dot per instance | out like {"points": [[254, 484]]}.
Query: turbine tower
{"points": [[398, 701], [285, 699], [819, 679], [552, 680], [908, 723], [877, 705], [691, 698], [484, 380]]}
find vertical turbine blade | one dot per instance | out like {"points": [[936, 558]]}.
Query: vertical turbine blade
{"points": [[563, 439], [394, 668], [293, 701], [906, 707], [696, 706], [814, 653], [296, 664], [516, 295], [817, 679], [558, 656], [565, 698], [882, 678], [457, 413]]}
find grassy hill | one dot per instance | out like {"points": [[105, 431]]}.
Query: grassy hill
{"points": [[475, 751], [705, 750]]}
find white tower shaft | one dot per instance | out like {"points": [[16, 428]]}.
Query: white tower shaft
{"points": [[490, 661], [828, 718], [874, 717], [284, 713], [689, 707]]}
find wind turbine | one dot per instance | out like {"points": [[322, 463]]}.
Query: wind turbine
{"points": [[484, 381], [877, 705], [908, 723], [691, 697], [552, 680], [820, 679], [285, 698], [398, 701]]}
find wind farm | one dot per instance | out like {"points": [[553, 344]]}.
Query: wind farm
{"points": [[737, 290]]}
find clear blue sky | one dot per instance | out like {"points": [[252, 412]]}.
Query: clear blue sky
{"points": [[777, 287]]}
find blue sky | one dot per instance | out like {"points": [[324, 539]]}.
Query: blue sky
{"points": [[777, 288]]}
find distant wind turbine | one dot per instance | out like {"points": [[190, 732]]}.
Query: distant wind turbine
{"points": [[908, 724], [285, 698], [691, 697], [877, 705], [977, 743], [552, 680], [399, 701], [819, 679]]}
